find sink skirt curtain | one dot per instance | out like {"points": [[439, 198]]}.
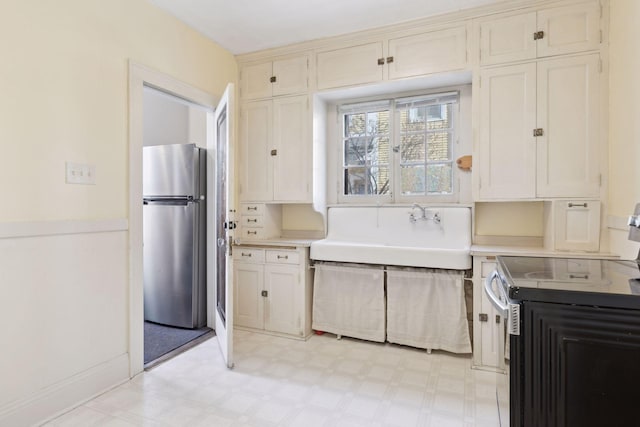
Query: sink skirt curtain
{"points": [[349, 301], [426, 309]]}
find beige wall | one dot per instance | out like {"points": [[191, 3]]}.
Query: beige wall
{"points": [[63, 82], [64, 249], [624, 117]]}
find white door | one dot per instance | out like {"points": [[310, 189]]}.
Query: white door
{"points": [[224, 224]]}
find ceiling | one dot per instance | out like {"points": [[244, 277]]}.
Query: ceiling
{"points": [[243, 26]]}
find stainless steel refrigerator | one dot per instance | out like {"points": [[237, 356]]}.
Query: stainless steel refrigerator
{"points": [[174, 253]]}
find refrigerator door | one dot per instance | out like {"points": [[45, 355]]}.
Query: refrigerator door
{"points": [[170, 252], [170, 171]]}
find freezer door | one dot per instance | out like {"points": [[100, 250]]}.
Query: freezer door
{"points": [[171, 171], [170, 252]]}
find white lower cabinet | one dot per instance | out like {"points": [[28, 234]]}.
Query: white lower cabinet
{"points": [[572, 225], [272, 290], [488, 325]]}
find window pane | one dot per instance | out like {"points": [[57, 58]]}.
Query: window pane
{"points": [[379, 180], [379, 151], [439, 146], [355, 151], [354, 124], [412, 148], [412, 119], [413, 179], [355, 181], [439, 116], [378, 122], [439, 178]]}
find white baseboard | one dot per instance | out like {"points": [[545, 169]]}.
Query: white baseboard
{"points": [[65, 395]]}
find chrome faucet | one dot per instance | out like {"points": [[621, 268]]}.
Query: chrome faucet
{"points": [[435, 217], [424, 212]]}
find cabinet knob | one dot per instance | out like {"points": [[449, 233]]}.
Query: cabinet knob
{"points": [[272, 79], [538, 35], [538, 132], [389, 59], [274, 152], [483, 317], [380, 61], [264, 294]]}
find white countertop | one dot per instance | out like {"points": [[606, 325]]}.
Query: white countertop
{"points": [[277, 241], [535, 251]]}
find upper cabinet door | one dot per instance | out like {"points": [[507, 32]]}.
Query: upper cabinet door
{"points": [[291, 76], [549, 32], [568, 114], [274, 78], [349, 66], [432, 52], [256, 171], [292, 160], [508, 39], [507, 148], [255, 81], [574, 28]]}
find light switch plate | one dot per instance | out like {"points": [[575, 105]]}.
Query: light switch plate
{"points": [[80, 173]]}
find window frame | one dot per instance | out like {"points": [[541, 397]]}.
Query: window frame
{"points": [[395, 195]]}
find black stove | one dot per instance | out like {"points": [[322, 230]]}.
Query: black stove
{"points": [[611, 283]]}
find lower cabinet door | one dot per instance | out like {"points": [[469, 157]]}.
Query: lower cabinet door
{"points": [[282, 284], [248, 299]]}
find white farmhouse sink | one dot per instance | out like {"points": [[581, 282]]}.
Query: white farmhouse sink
{"points": [[386, 235]]}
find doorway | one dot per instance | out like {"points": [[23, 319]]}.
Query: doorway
{"points": [[139, 78], [174, 225]]}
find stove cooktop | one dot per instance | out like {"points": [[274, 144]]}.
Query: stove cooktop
{"points": [[550, 279]]}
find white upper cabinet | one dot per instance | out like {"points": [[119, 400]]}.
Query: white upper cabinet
{"points": [[411, 55], [256, 142], [568, 115], [549, 32], [508, 39], [274, 78], [427, 53], [354, 65], [292, 163], [539, 129], [275, 150], [507, 149]]}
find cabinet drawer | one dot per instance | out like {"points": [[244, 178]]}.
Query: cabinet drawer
{"points": [[252, 233], [252, 255], [255, 221], [283, 257], [251, 208]]}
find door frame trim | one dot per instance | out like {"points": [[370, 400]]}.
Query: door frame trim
{"points": [[140, 76]]}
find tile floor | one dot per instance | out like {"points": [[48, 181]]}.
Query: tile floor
{"points": [[283, 382]]}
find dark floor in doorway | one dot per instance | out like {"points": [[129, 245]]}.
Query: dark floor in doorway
{"points": [[160, 339]]}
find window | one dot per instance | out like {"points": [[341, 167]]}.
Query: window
{"points": [[399, 149]]}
